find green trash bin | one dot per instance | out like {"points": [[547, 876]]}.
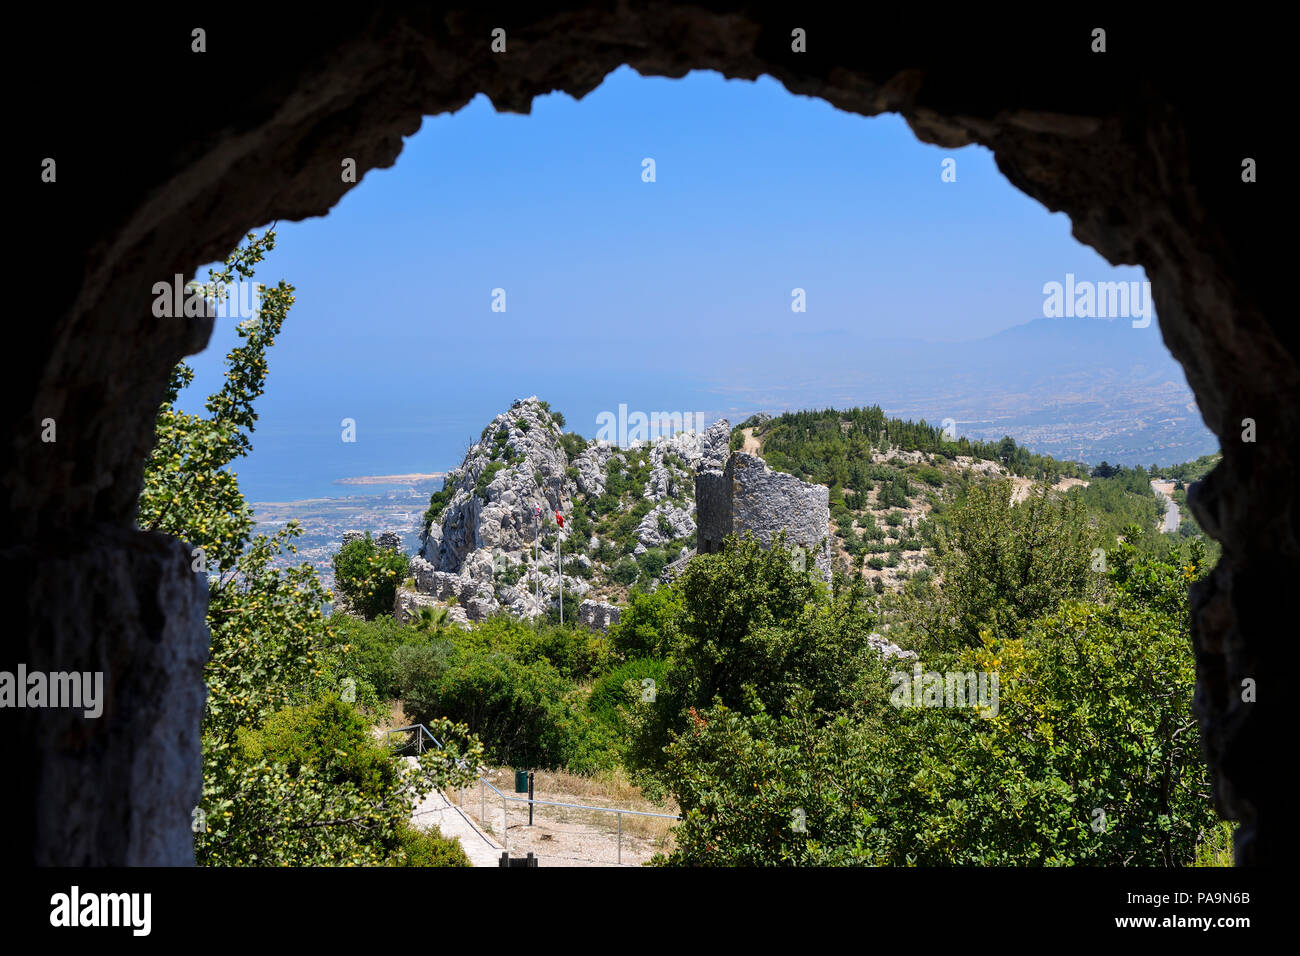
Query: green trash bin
{"points": [[521, 781]]}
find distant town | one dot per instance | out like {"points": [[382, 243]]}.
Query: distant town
{"points": [[323, 520]]}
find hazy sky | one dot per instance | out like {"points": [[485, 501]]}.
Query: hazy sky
{"points": [[619, 290]]}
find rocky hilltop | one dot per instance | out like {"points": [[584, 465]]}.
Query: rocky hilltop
{"points": [[490, 539]]}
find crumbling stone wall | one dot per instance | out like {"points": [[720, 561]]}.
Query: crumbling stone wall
{"points": [[749, 497], [597, 615], [389, 540]]}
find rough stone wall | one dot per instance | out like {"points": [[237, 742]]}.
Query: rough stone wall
{"points": [[117, 789], [1143, 150], [713, 491], [769, 503], [597, 615], [749, 497]]}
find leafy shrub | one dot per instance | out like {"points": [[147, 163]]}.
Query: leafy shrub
{"points": [[647, 626], [514, 709], [930, 475], [370, 648], [485, 479], [417, 674], [573, 444], [652, 561], [428, 848], [367, 575], [331, 738], [623, 686], [438, 502], [626, 571]]}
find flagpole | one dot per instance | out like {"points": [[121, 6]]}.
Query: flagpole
{"points": [[559, 544]]}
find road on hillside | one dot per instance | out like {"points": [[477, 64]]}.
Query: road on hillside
{"points": [[1164, 490]]}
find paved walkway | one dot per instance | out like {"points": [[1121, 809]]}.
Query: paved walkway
{"points": [[451, 821]]}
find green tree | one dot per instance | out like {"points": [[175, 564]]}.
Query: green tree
{"points": [[760, 790], [1004, 564], [367, 576], [750, 627], [1092, 756], [272, 647], [1089, 757]]}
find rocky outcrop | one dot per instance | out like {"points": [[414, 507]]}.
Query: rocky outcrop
{"points": [[516, 469], [489, 541], [749, 497], [662, 524], [590, 465], [597, 615], [887, 648]]}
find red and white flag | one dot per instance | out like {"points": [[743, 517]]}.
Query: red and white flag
{"points": [[559, 518]]}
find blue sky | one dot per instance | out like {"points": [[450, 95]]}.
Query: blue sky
{"points": [[661, 295]]}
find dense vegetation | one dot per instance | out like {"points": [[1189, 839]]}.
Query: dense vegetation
{"points": [[291, 773], [1090, 758], [747, 691], [834, 447]]}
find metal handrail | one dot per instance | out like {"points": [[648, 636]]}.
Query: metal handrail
{"points": [[505, 821], [419, 739]]}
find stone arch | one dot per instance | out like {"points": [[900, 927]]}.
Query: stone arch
{"points": [[168, 157]]}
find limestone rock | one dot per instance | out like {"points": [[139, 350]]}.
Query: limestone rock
{"points": [[679, 522], [673, 461], [591, 464], [516, 469], [887, 648]]}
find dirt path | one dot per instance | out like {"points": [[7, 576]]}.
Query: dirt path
{"points": [[752, 445]]}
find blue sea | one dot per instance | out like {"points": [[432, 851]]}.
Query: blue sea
{"points": [[418, 428]]}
